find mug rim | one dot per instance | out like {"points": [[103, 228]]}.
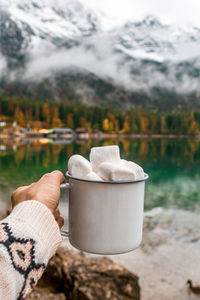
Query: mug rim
{"points": [[146, 176]]}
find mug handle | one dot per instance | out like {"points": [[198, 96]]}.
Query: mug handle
{"points": [[64, 186]]}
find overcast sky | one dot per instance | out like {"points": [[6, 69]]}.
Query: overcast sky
{"points": [[169, 11]]}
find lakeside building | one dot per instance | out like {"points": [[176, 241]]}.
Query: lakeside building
{"points": [[2, 123], [82, 133], [97, 134], [61, 133]]}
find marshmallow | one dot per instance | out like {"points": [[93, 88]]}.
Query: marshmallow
{"points": [[78, 166], [134, 167], [93, 176], [112, 172], [102, 154], [105, 165]]}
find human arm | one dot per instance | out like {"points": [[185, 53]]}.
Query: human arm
{"points": [[29, 236]]}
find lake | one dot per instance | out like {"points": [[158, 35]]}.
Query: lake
{"points": [[172, 164]]}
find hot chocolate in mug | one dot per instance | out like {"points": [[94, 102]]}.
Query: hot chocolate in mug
{"points": [[105, 217]]}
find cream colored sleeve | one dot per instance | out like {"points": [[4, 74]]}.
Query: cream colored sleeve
{"points": [[29, 237]]}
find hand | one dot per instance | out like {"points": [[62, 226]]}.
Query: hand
{"points": [[46, 190]]}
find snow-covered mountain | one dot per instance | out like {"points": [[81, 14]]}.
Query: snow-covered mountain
{"points": [[28, 24], [150, 39], [39, 39]]}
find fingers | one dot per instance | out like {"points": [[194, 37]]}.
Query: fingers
{"points": [[53, 177], [46, 190], [59, 219], [60, 222], [57, 214], [18, 195]]}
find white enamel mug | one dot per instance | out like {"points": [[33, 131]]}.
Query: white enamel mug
{"points": [[105, 217]]}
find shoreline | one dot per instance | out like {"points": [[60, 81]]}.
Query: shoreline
{"points": [[146, 136], [103, 136]]}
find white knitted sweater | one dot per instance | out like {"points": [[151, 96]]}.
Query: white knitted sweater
{"points": [[29, 237]]}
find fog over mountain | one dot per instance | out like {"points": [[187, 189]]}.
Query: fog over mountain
{"points": [[40, 39]]}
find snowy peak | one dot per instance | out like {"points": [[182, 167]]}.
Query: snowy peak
{"points": [[148, 22], [70, 23], [51, 20], [150, 39]]}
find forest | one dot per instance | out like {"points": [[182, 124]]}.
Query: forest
{"points": [[38, 114]]}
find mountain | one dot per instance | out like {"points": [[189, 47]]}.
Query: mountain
{"points": [[64, 50]]}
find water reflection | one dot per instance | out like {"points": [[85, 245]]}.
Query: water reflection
{"points": [[173, 166]]}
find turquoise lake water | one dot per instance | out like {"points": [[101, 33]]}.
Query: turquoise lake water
{"points": [[172, 164]]}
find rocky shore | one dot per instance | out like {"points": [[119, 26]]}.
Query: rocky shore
{"points": [[73, 276]]}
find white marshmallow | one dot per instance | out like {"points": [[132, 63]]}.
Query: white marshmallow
{"points": [[134, 167], [102, 154], [78, 166], [93, 176], [113, 172]]}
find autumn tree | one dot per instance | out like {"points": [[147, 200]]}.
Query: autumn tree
{"points": [[111, 118], [144, 122], [37, 112], [82, 122], [28, 114], [46, 114], [106, 124], [116, 126], [19, 116], [134, 121], [70, 120], [163, 125], [56, 122], [193, 127], [126, 125]]}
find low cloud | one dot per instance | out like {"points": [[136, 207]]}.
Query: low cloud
{"points": [[95, 57], [3, 65], [98, 57], [100, 60]]}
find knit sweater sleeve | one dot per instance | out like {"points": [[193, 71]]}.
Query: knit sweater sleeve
{"points": [[29, 237]]}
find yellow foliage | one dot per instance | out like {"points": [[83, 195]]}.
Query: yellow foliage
{"points": [[19, 117], [46, 112], [83, 122], [116, 126], [70, 121], [56, 122], [193, 127], [163, 125], [106, 124], [55, 112], [144, 121], [126, 125]]}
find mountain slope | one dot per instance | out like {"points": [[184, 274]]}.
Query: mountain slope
{"points": [[41, 43]]}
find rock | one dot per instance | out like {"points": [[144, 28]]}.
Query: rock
{"points": [[82, 278], [45, 294]]}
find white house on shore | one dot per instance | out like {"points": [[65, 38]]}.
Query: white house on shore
{"points": [[2, 123]]}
